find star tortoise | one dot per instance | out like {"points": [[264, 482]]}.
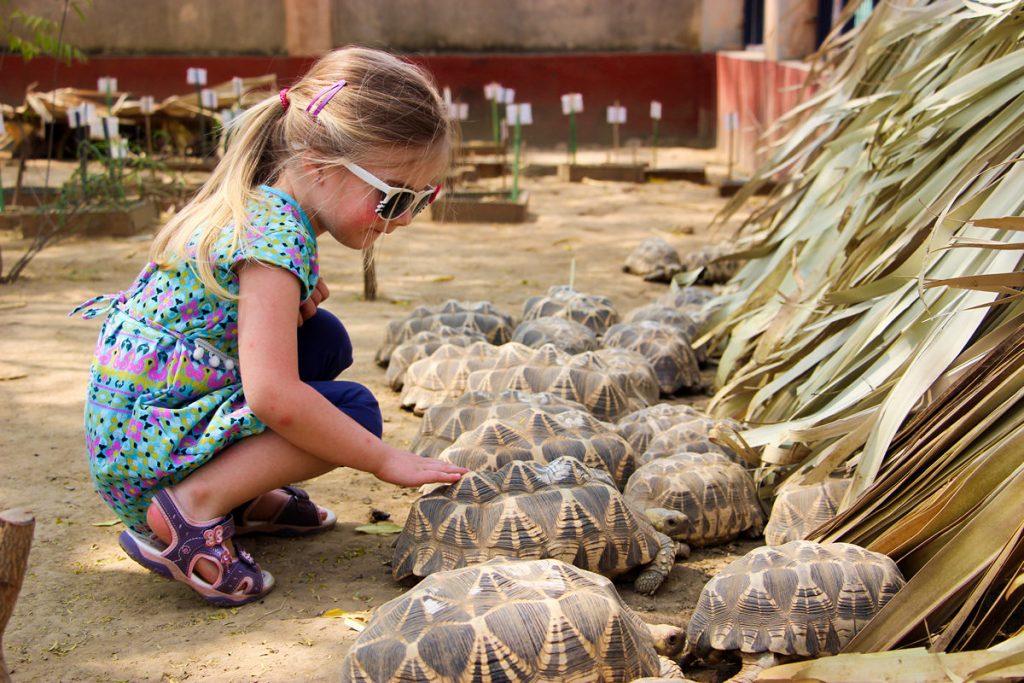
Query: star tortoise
{"points": [[537, 620]]}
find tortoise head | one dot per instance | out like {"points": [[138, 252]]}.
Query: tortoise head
{"points": [[672, 523], [668, 639]]}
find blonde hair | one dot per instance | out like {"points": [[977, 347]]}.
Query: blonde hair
{"points": [[387, 104]]}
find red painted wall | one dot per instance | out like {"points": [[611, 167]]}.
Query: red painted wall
{"points": [[683, 82]]}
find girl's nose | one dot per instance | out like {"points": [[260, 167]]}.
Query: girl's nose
{"points": [[400, 222]]}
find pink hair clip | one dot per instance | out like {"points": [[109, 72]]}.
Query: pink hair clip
{"points": [[284, 98], [323, 97]]}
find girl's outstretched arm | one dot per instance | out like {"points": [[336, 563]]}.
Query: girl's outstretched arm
{"points": [[268, 360]]}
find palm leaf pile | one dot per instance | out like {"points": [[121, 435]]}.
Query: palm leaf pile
{"points": [[877, 324]]}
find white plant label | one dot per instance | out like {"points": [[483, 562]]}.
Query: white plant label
{"points": [[494, 92], [508, 96], [106, 84], [732, 120], [616, 114], [237, 85], [655, 109], [147, 104], [119, 149], [209, 98], [196, 76], [519, 113], [458, 111], [572, 102]]}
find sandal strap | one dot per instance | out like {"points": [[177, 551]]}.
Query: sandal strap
{"points": [[297, 509], [192, 542]]}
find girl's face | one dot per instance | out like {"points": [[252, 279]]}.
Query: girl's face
{"points": [[344, 205]]}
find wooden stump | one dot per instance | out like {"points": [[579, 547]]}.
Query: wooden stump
{"points": [[16, 528]]}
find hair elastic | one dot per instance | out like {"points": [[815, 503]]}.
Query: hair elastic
{"points": [[323, 97], [284, 98]]}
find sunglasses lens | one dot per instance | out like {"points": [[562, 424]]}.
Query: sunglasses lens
{"points": [[397, 205]]}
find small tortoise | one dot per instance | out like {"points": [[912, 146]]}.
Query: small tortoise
{"points": [[716, 261], [583, 378], [422, 345], [640, 426], [629, 369], [800, 599], [696, 302], [443, 424], [536, 620], [718, 498], [444, 375], [654, 259], [670, 315], [532, 511], [568, 335], [541, 438], [798, 510], [669, 352], [695, 435], [595, 312], [481, 316]]}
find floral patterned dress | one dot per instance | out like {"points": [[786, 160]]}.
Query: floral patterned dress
{"points": [[165, 393]]}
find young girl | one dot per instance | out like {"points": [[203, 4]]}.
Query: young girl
{"points": [[205, 403]]}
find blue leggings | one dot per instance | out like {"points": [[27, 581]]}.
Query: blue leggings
{"points": [[325, 349]]}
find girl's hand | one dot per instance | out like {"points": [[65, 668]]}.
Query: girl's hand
{"points": [[307, 309], [408, 469]]}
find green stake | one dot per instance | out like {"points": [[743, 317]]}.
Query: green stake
{"points": [[572, 135], [515, 168]]}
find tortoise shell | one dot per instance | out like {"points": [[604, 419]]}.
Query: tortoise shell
{"points": [[669, 315], [714, 259], [480, 316], [595, 312], [798, 510], [800, 598], [654, 259], [443, 376], [693, 301], [567, 335], [587, 382], [541, 438], [629, 369], [640, 426], [530, 511], [717, 496], [694, 435], [668, 351], [444, 423], [422, 345], [539, 620]]}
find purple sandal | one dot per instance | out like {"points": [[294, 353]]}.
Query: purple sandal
{"points": [[241, 580], [297, 516]]}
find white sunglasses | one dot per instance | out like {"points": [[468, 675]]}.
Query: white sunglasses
{"points": [[396, 200]]}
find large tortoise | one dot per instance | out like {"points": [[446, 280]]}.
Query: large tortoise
{"points": [[800, 599], [800, 509], [717, 263], [541, 438], [444, 423], [583, 378], [422, 345], [568, 335], [562, 301], [682, 321], [480, 316], [665, 347], [654, 259], [527, 510], [717, 497], [538, 620], [696, 435], [640, 426]]}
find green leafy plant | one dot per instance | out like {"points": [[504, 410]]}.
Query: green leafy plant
{"points": [[31, 35]]}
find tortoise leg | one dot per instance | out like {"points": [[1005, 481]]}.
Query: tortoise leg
{"points": [[654, 573], [682, 550], [753, 664]]}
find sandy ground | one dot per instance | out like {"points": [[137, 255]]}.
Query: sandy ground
{"points": [[88, 613]]}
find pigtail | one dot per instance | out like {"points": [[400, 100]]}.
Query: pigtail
{"points": [[251, 159]]}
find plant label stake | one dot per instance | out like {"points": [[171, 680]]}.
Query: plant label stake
{"points": [[655, 120], [78, 118], [731, 125], [572, 103], [197, 77], [237, 84], [147, 105], [496, 94], [616, 117], [519, 115]]}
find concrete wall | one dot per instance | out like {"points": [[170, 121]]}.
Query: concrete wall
{"points": [[261, 26]]}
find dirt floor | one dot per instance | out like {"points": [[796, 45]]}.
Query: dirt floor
{"points": [[88, 613]]}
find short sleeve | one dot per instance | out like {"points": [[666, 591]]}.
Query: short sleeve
{"points": [[280, 236]]}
